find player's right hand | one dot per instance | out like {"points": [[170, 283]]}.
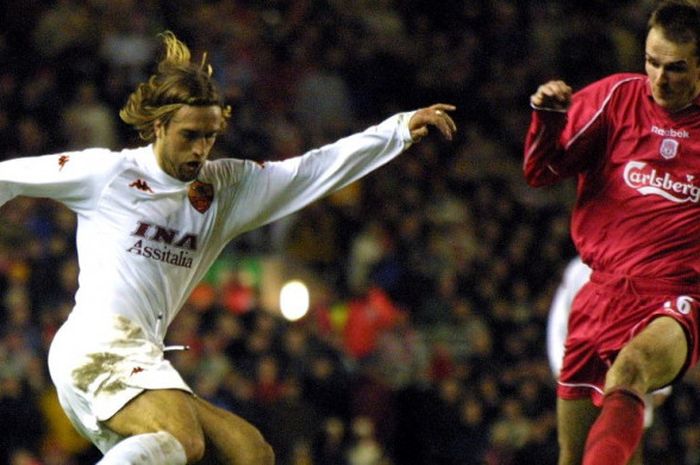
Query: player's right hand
{"points": [[553, 95], [434, 115]]}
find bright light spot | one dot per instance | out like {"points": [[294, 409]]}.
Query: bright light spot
{"points": [[294, 300]]}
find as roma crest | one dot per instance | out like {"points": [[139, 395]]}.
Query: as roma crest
{"points": [[201, 195]]}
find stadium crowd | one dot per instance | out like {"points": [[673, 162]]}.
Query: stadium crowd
{"points": [[427, 346]]}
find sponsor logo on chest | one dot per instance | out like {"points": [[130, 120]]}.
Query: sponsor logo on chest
{"points": [[650, 181], [163, 244]]}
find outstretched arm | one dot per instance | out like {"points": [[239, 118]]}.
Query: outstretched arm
{"points": [[73, 178], [283, 187]]}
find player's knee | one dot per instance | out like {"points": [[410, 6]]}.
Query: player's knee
{"points": [[193, 444], [629, 369], [268, 455], [262, 452]]}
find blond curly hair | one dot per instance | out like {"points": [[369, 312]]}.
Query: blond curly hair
{"points": [[177, 83]]}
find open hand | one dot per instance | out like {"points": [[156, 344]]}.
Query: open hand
{"points": [[434, 115]]}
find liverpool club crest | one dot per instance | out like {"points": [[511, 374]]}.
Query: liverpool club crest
{"points": [[668, 148], [201, 195]]}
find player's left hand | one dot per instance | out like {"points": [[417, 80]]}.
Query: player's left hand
{"points": [[434, 115]]}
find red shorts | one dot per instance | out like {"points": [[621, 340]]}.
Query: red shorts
{"points": [[608, 312]]}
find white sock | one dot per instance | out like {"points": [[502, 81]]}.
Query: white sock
{"points": [[146, 449]]}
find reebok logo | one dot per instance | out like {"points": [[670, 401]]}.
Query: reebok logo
{"points": [[679, 133]]}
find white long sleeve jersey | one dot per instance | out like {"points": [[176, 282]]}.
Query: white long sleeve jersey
{"points": [[144, 243]]}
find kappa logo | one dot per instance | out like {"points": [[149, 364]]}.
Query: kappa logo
{"points": [[62, 160], [647, 181], [141, 185]]}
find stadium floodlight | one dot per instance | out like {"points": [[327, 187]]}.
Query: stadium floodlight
{"points": [[294, 300]]}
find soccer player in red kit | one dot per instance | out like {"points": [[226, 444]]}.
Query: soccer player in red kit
{"points": [[633, 143]]}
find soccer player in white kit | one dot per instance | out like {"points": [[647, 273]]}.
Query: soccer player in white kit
{"points": [[575, 275], [151, 221]]}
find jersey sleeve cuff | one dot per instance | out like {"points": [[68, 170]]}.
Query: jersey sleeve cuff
{"points": [[404, 131], [549, 109]]}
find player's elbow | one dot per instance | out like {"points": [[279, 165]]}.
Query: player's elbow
{"points": [[531, 179], [540, 174], [540, 178]]}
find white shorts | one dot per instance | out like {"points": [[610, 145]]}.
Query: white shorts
{"points": [[99, 366]]}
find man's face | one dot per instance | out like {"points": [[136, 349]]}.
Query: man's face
{"points": [[184, 144], [673, 70]]}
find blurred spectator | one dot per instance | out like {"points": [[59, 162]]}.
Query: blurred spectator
{"points": [[364, 448], [372, 398], [31, 139], [23, 425], [401, 355], [23, 457], [331, 442], [88, 122], [323, 99], [369, 315], [327, 386], [127, 43], [291, 424], [366, 250], [660, 448], [63, 28], [269, 386], [472, 436], [308, 240]]}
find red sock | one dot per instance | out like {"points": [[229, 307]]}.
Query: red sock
{"points": [[618, 430]]}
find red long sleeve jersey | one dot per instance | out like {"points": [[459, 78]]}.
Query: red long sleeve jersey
{"points": [[637, 211]]}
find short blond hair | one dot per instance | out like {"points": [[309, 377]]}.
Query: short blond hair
{"points": [[177, 83]]}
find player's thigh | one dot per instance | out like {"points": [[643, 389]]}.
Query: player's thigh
{"points": [[168, 410], [230, 438], [574, 420], [652, 359]]}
